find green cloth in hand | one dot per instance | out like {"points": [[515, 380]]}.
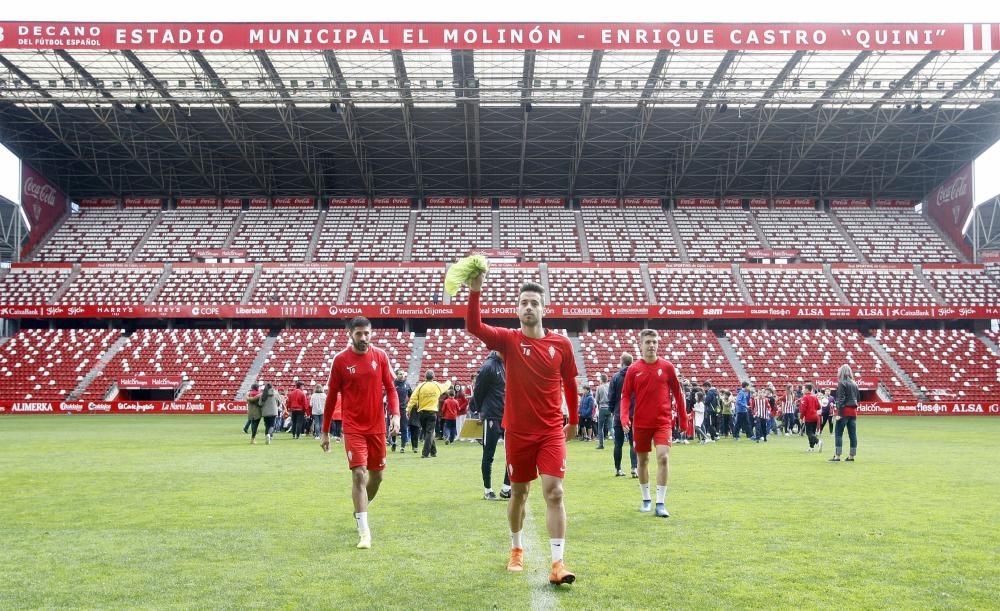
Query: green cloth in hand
{"points": [[463, 272]]}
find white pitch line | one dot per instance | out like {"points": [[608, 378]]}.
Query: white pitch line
{"points": [[537, 566]]}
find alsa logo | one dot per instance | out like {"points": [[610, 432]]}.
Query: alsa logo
{"points": [[810, 312], [42, 192], [871, 312]]}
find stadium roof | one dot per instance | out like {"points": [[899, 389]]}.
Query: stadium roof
{"points": [[277, 116]]}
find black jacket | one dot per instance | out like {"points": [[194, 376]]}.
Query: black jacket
{"points": [[491, 385], [615, 394], [403, 391], [847, 394]]}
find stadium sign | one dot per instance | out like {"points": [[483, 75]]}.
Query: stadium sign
{"points": [[510, 36], [151, 382]]}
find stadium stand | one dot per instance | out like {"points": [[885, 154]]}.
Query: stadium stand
{"points": [[811, 232], [213, 361], [276, 235], [453, 354], [716, 235], [596, 285], [895, 236], [680, 285], [119, 285], [397, 285], [788, 285], [949, 365], [542, 234], [874, 286], [696, 354], [628, 236], [302, 354], [798, 356], [297, 285], [444, 234], [46, 365], [398, 345], [97, 235], [32, 285], [361, 234], [503, 285], [208, 285], [180, 232], [963, 286]]}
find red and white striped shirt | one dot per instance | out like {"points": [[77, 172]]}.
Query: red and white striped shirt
{"points": [[761, 408], [790, 405]]}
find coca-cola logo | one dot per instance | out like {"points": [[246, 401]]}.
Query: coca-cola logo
{"points": [[43, 192], [954, 190]]}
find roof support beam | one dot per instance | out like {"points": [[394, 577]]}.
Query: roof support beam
{"points": [[467, 93], [303, 149], [940, 129], [644, 114], [188, 141], [406, 97], [527, 82], [826, 115], [229, 115], [49, 119], [581, 130], [110, 119], [706, 115], [758, 129], [345, 108], [891, 119]]}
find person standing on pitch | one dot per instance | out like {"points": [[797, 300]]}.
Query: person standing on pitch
{"points": [[403, 391], [809, 412], [298, 403], [653, 382], [487, 396], [614, 402], [362, 373], [603, 412], [541, 369], [847, 398], [317, 403]]}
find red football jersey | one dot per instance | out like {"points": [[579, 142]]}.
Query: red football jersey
{"points": [[361, 379], [539, 373], [653, 385]]}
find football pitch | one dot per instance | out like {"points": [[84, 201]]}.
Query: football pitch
{"points": [[181, 512]]}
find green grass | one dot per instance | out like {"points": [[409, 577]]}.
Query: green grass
{"points": [[180, 512]]}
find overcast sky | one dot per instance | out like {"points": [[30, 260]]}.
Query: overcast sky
{"points": [[878, 11]]}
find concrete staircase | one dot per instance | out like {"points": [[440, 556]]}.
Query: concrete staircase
{"points": [[828, 272], [410, 231], [947, 240], [496, 229], [733, 356], [846, 237], [317, 233], [64, 288], [757, 229], [891, 362], [413, 376], [919, 271], [581, 231], [99, 367], [678, 240], [543, 272], [247, 294], [145, 237], [253, 372], [235, 229], [989, 343], [346, 286], [581, 363], [162, 282], [744, 291], [647, 282]]}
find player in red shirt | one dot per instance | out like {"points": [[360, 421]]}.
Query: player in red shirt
{"points": [[653, 381], [298, 403], [362, 374], [809, 411], [541, 368]]}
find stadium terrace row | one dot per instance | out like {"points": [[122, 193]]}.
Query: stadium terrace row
{"points": [[545, 234], [578, 284], [219, 364]]}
